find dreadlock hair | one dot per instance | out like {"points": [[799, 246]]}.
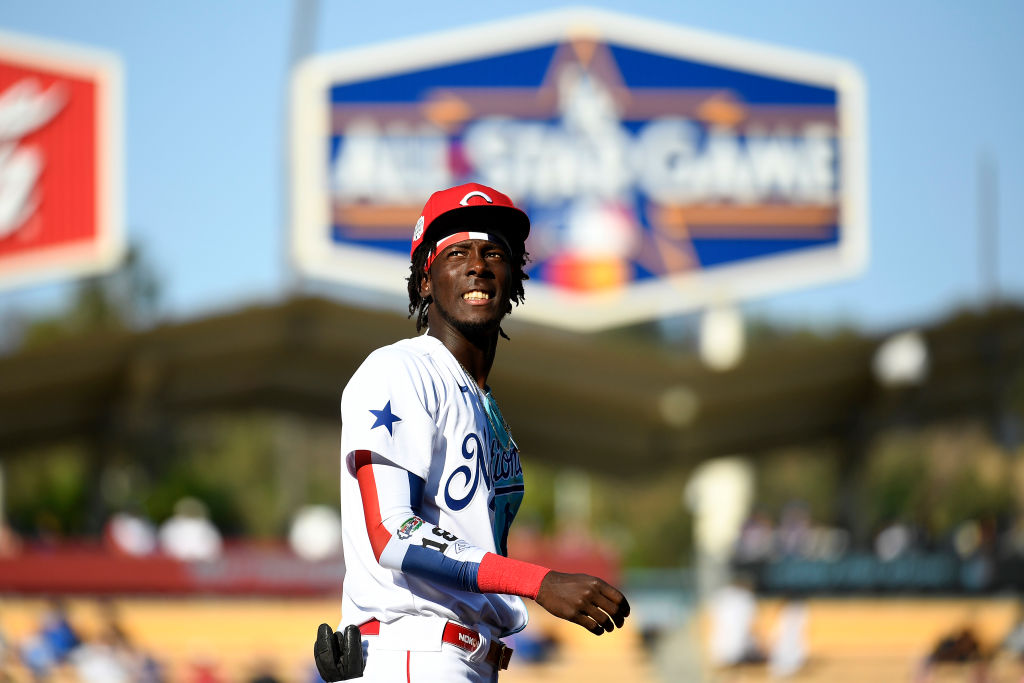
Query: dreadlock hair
{"points": [[418, 304]]}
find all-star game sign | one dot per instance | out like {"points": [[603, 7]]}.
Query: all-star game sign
{"points": [[60, 160], [662, 168]]}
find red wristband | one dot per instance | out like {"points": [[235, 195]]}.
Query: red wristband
{"points": [[498, 574]]}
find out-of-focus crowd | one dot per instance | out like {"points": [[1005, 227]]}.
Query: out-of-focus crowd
{"points": [[58, 651], [733, 639], [988, 551]]}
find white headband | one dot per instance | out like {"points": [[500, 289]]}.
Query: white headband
{"points": [[458, 237]]}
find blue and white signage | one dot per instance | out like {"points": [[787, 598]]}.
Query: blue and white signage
{"points": [[662, 168]]}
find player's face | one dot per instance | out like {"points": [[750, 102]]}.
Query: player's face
{"points": [[470, 282]]}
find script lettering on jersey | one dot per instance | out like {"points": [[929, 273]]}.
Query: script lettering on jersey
{"points": [[466, 477], [504, 464], [507, 472]]}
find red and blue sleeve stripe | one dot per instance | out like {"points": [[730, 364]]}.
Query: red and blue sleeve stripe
{"points": [[391, 496], [388, 549]]}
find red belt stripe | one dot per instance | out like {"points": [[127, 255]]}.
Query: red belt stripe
{"points": [[458, 635]]}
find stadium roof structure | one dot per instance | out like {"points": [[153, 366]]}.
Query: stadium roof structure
{"points": [[615, 405]]}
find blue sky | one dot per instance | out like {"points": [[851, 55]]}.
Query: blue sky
{"points": [[205, 103]]}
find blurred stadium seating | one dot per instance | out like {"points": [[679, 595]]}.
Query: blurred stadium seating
{"points": [[850, 640]]}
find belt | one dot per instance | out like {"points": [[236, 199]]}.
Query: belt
{"points": [[498, 654]]}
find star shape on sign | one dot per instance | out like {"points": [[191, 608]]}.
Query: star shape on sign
{"points": [[385, 418]]}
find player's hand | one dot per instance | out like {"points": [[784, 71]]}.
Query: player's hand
{"points": [[338, 656], [583, 599]]}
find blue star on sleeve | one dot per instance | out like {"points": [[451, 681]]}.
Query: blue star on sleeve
{"points": [[385, 418]]}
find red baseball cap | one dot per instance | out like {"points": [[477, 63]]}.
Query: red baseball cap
{"points": [[471, 205]]}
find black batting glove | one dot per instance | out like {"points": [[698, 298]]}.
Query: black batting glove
{"points": [[338, 656]]}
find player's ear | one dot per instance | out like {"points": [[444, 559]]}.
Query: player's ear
{"points": [[425, 285]]}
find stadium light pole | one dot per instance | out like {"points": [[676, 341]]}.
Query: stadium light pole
{"points": [[1005, 427], [988, 229], [287, 435], [305, 16]]}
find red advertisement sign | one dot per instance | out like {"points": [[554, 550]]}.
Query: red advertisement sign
{"points": [[59, 161]]}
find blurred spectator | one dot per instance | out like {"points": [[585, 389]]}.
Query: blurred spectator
{"points": [[190, 535], [892, 541], [959, 647], [264, 678], [1013, 643], [733, 609], [47, 529], [1012, 541], [967, 538], [312, 675], [7, 653], [826, 543], [796, 537], [115, 652], [533, 647], [262, 671], [10, 543], [794, 529], [57, 632], [102, 661], [757, 539], [789, 648], [54, 642], [974, 542], [204, 671], [130, 534]]}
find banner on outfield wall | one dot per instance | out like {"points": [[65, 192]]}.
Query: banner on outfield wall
{"points": [[60, 161], [662, 168]]}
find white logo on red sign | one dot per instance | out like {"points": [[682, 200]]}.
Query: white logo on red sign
{"points": [[24, 108]]}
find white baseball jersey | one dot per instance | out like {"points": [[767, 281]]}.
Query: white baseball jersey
{"points": [[434, 492]]}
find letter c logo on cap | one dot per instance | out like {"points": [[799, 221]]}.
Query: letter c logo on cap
{"points": [[475, 193]]}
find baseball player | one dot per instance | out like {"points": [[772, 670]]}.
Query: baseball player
{"points": [[431, 478]]}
